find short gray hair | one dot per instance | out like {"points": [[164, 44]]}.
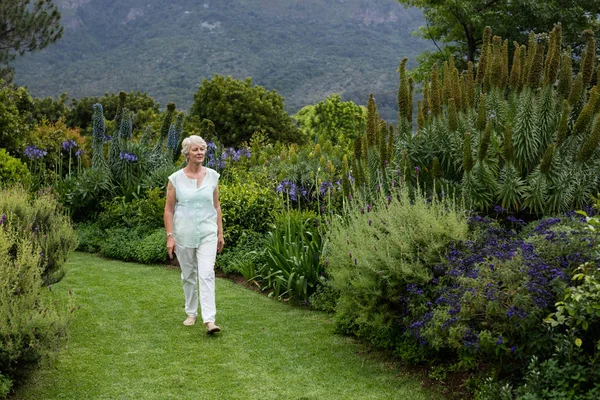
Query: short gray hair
{"points": [[189, 141]]}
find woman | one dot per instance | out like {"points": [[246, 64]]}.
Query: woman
{"points": [[195, 230]]}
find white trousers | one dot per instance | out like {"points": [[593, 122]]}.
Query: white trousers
{"points": [[198, 264]]}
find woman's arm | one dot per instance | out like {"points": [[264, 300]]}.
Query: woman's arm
{"points": [[220, 240], [168, 217]]}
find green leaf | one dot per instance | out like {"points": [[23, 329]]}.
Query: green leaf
{"points": [[578, 342]]}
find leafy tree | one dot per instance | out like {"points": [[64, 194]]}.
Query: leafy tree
{"points": [[238, 109], [332, 120], [14, 130], [459, 24], [26, 26]]}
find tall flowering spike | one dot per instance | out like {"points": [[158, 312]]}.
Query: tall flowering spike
{"points": [[146, 136], [126, 126], [589, 57], [505, 73], [546, 163], [404, 107], [508, 148], [482, 113], [172, 137], [452, 115], [446, 82], [591, 144], [467, 156], [426, 97], [383, 155], [531, 48], [420, 116], [411, 88], [483, 59], [164, 128], [565, 77], [523, 61], [484, 142], [576, 90], [390, 143], [493, 76], [436, 106], [554, 53], [436, 169], [372, 121], [98, 130], [457, 89], [537, 66], [515, 72], [563, 124], [120, 107], [358, 147], [587, 113], [470, 92]]}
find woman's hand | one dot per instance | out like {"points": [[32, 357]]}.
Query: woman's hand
{"points": [[170, 246], [220, 243]]}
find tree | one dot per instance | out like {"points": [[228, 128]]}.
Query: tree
{"points": [[26, 27], [334, 120], [459, 24], [238, 109]]}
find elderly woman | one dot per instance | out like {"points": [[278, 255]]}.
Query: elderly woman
{"points": [[195, 230]]}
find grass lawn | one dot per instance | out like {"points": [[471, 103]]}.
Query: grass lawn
{"points": [[127, 341]]}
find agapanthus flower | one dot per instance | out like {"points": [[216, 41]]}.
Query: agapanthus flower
{"points": [[128, 157], [68, 144]]}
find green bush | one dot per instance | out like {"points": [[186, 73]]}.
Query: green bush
{"points": [[377, 251], [30, 325], [246, 257], [151, 249], [247, 206], [13, 170], [142, 213], [42, 217], [90, 237], [119, 244]]}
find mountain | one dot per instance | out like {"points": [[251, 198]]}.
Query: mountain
{"points": [[304, 49]]}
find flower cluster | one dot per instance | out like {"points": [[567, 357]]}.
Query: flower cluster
{"points": [[3, 219], [289, 188], [79, 153], [231, 154], [68, 144], [131, 158], [33, 153]]}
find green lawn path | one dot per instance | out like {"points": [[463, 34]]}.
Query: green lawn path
{"points": [[127, 341]]}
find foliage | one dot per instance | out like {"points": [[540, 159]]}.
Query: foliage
{"points": [[30, 325], [238, 109], [246, 256], [459, 26], [12, 170], [41, 220], [14, 130], [293, 269], [379, 252], [143, 213], [333, 120], [27, 27], [247, 206], [510, 139]]}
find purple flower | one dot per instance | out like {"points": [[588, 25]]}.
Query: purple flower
{"points": [[33, 153], [499, 341], [79, 153], [128, 157], [417, 169], [368, 208], [370, 222], [3, 219], [68, 144]]}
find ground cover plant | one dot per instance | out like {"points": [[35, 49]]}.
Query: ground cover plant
{"points": [[125, 343]]}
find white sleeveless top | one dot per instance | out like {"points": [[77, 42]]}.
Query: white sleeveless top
{"points": [[195, 218]]}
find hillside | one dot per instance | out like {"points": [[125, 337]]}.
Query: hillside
{"points": [[305, 49]]}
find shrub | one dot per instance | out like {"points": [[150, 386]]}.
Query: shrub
{"points": [[90, 237], [42, 217], [142, 213], [380, 253], [119, 244], [30, 325], [151, 248], [246, 257], [247, 206], [13, 170]]}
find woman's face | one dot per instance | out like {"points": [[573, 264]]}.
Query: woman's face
{"points": [[197, 153]]}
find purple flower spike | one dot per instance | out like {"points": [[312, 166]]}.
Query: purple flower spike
{"points": [[417, 169]]}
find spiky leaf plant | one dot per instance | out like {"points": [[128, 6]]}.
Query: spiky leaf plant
{"points": [[527, 140]]}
